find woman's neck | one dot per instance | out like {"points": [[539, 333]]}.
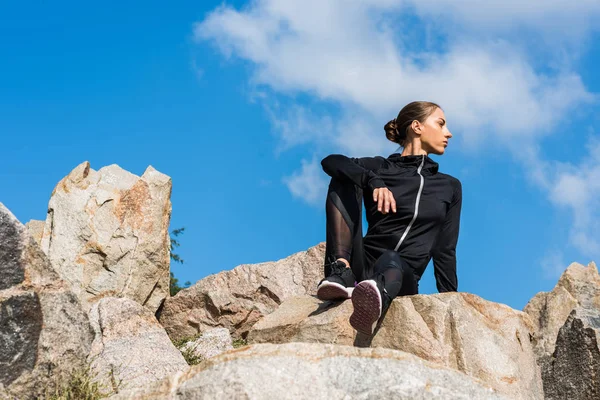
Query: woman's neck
{"points": [[413, 149]]}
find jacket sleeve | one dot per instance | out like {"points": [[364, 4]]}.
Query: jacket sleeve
{"points": [[359, 171], [444, 250]]}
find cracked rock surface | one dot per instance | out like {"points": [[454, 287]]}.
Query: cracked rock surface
{"points": [[130, 346], [238, 298], [106, 234]]}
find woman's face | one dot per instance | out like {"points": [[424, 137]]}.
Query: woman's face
{"points": [[434, 133]]}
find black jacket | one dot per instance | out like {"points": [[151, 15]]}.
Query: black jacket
{"points": [[428, 204]]}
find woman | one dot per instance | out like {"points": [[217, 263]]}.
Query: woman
{"points": [[413, 213]]}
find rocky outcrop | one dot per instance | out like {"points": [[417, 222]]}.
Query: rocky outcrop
{"points": [[578, 287], [44, 333], [104, 250], [212, 343], [106, 234], [485, 340], [316, 371], [567, 332], [238, 298], [36, 230], [574, 370], [130, 346]]}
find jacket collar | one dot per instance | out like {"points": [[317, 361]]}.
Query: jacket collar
{"points": [[414, 161]]}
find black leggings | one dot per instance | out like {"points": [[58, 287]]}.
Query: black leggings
{"points": [[344, 240]]}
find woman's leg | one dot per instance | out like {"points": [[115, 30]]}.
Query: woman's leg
{"points": [[371, 298], [398, 277], [343, 241], [344, 238]]}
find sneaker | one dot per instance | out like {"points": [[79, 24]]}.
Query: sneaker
{"points": [[338, 285], [367, 299]]}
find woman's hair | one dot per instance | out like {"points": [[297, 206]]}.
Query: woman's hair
{"points": [[397, 129]]}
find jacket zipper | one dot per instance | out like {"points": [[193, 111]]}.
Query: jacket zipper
{"points": [[416, 205]]}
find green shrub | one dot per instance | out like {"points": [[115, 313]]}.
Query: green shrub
{"points": [[190, 356]]}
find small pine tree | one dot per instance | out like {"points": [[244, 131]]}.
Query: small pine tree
{"points": [[174, 287]]}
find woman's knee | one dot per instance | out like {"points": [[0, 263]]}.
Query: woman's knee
{"points": [[390, 259]]}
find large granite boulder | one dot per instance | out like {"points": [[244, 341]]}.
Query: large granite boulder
{"points": [[130, 346], [485, 340], [316, 371], [567, 331], [238, 298], [44, 332], [107, 234]]}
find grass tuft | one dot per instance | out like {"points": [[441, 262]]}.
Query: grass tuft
{"points": [[79, 384], [241, 342], [190, 356], [188, 352]]}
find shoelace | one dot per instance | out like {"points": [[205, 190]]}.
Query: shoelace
{"points": [[336, 267]]}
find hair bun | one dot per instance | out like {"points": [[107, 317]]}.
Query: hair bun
{"points": [[391, 131]]}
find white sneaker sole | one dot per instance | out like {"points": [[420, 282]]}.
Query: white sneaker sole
{"points": [[333, 291], [366, 300]]}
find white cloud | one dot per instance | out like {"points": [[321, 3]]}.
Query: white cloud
{"points": [[586, 241], [357, 137], [553, 264], [571, 189], [343, 52], [565, 16], [297, 125], [352, 134], [308, 183], [577, 187]]}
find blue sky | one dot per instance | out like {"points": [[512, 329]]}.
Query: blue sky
{"points": [[239, 101]]}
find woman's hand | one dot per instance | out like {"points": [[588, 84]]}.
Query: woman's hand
{"points": [[385, 200]]}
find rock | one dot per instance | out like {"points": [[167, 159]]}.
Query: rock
{"points": [[159, 390], [306, 319], [317, 371], [212, 343], [36, 230], [578, 287], [44, 332], [573, 371], [485, 340], [566, 335], [130, 346], [106, 234], [238, 298]]}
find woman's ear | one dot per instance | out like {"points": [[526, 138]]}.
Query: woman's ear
{"points": [[416, 127]]}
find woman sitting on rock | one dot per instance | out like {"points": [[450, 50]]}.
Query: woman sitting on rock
{"points": [[413, 213]]}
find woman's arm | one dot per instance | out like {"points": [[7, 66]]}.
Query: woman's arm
{"points": [[444, 250], [359, 171]]}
